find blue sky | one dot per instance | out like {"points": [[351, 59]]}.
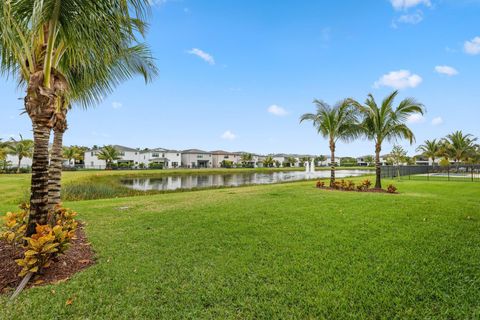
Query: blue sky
{"points": [[237, 75]]}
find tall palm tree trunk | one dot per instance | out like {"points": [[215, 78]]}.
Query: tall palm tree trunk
{"points": [[378, 168], [39, 184], [40, 104], [332, 163], [55, 170], [19, 163]]}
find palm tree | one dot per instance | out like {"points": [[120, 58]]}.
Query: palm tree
{"points": [[268, 162], [70, 153], [109, 154], [303, 160], [291, 161], [65, 52], [320, 159], [459, 146], [369, 160], [22, 148], [246, 159], [334, 123], [430, 149], [386, 123]]}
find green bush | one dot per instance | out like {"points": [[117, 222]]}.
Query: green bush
{"points": [[154, 165]]}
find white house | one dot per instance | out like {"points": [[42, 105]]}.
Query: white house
{"points": [[127, 155], [13, 161], [194, 158], [362, 161], [328, 161], [164, 157]]}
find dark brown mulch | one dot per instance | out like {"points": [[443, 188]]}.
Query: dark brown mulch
{"points": [[78, 257], [374, 190]]}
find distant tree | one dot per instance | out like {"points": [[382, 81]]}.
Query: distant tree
{"points": [[109, 154], [22, 148], [397, 157], [290, 162], [303, 160], [386, 123], [278, 164], [459, 146], [268, 162], [334, 123], [348, 162], [430, 149], [320, 159], [370, 160], [70, 153], [246, 159]]}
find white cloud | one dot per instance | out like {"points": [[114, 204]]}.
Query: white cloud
{"points": [[473, 46], [228, 135], [157, 2], [413, 18], [416, 118], [202, 55], [447, 70], [116, 105], [398, 80], [277, 110], [437, 121], [405, 4]]}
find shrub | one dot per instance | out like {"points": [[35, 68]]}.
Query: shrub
{"points": [[46, 243], [15, 225], [154, 165], [320, 184], [350, 186], [391, 189]]}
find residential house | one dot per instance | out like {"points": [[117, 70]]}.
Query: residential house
{"points": [[194, 158], [164, 157], [219, 156], [127, 155], [12, 160]]}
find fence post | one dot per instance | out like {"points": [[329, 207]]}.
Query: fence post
{"points": [[428, 173], [472, 173], [448, 173]]}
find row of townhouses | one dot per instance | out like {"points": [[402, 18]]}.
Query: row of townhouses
{"points": [[195, 158], [191, 158]]}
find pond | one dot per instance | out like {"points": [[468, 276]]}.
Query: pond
{"points": [[176, 182]]}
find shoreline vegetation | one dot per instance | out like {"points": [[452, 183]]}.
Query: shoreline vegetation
{"points": [[104, 184]]}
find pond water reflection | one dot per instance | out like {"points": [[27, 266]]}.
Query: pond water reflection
{"points": [[230, 180]]}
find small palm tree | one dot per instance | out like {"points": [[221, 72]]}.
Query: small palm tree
{"points": [[268, 162], [303, 160], [22, 148], [109, 154], [291, 161], [320, 159], [334, 123], [386, 123], [430, 149], [246, 159], [459, 146], [70, 153]]}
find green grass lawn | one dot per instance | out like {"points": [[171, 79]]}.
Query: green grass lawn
{"points": [[272, 252]]}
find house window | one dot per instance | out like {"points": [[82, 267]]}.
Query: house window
{"points": [[122, 154], [199, 156], [91, 153], [155, 155], [163, 155], [178, 154], [226, 157]]}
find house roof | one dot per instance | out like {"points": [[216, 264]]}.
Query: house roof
{"points": [[160, 150], [195, 151], [222, 152], [118, 148]]}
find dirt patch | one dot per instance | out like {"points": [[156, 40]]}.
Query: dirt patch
{"points": [[78, 257]]}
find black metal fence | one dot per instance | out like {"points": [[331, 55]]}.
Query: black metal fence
{"points": [[460, 172]]}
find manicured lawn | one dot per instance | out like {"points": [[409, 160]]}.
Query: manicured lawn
{"points": [[272, 252]]}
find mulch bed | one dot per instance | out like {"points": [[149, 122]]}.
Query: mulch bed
{"points": [[369, 190], [78, 257]]}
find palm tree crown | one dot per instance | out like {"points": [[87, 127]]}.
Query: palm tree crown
{"points": [[386, 123], [430, 149], [334, 123], [459, 146], [109, 154]]}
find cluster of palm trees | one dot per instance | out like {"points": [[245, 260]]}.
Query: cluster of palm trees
{"points": [[21, 148], [64, 53], [456, 146], [349, 120]]}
